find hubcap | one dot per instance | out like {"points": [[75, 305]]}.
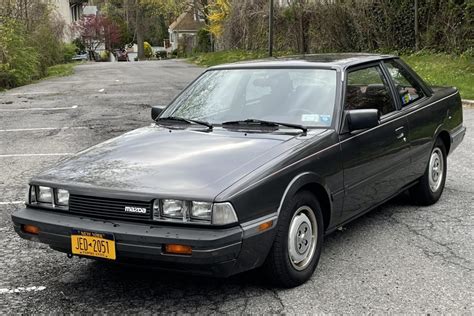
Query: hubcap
{"points": [[436, 168], [302, 237]]}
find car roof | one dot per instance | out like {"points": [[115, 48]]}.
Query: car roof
{"points": [[339, 61]]}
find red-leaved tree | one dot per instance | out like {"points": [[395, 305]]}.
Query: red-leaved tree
{"points": [[95, 30]]}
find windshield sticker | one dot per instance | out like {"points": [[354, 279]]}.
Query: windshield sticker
{"points": [[326, 119], [310, 118]]}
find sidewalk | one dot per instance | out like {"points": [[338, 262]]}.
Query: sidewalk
{"points": [[468, 104]]}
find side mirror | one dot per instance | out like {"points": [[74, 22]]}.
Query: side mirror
{"points": [[362, 119], [156, 111]]}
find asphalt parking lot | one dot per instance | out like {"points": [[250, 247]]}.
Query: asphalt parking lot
{"points": [[398, 258]]}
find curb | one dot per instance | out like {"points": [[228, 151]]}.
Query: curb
{"points": [[468, 103]]}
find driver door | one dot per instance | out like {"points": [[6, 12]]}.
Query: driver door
{"points": [[374, 160]]}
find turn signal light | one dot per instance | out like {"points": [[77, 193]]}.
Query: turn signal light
{"points": [[265, 226], [30, 229], [178, 249]]}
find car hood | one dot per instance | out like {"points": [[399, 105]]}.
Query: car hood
{"points": [[191, 163]]}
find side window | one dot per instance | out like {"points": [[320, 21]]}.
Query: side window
{"points": [[408, 88], [368, 89]]}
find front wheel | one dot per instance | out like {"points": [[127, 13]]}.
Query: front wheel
{"points": [[299, 237], [431, 184]]}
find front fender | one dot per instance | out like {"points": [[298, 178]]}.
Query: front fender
{"points": [[301, 180]]}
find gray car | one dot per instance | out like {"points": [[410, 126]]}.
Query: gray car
{"points": [[251, 166]]}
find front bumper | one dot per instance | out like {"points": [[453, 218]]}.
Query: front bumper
{"points": [[215, 251]]}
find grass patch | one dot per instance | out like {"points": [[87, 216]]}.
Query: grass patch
{"points": [[60, 70], [445, 70], [217, 58], [435, 69]]}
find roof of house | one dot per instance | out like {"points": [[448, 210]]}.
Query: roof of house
{"points": [[186, 22]]}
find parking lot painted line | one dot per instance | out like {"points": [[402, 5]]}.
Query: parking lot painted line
{"points": [[42, 129], [30, 93], [34, 155], [40, 109], [22, 289], [12, 202]]}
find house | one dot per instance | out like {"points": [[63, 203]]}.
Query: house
{"points": [[183, 31], [71, 11]]}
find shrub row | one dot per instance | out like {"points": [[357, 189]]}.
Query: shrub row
{"points": [[26, 53], [336, 26]]}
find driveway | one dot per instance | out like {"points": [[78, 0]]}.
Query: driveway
{"points": [[398, 258]]}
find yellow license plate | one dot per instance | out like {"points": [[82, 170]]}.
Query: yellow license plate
{"points": [[101, 245]]}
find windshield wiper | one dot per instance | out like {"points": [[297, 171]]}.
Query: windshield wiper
{"points": [[185, 120], [265, 123]]}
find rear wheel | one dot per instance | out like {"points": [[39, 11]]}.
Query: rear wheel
{"points": [[431, 185], [297, 247]]}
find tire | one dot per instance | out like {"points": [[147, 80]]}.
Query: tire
{"points": [[431, 186], [284, 265]]}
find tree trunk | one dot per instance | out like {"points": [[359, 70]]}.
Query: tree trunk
{"points": [[139, 26]]}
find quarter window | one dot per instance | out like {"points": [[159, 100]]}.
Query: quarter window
{"points": [[407, 87], [368, 89]]}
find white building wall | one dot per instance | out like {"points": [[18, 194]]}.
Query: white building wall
{"points": [[70, 14], [64, 11]]}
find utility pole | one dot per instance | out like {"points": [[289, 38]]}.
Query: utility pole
{"points": [[139, 30], [270, 30], [417, 38]]}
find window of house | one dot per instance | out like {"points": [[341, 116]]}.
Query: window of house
{"points": [[368, 89], [408, 88], [76, 12]]}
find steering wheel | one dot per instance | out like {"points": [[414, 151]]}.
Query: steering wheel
{"points": [[300, 110]]}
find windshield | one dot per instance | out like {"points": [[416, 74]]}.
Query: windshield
{"points": [[297, 96]]}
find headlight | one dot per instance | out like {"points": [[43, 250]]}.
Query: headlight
{"points": [[194, 212], [45, 195], [48, 197], [174, 209], [201, 211], [62, 197]]}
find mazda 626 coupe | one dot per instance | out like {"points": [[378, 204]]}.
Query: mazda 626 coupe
{"points": [[251, 166]]}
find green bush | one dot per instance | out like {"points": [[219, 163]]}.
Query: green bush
{"points": [[203, 41], [19, 62], [80, 47], [148, 50], [69, 51], [7, 80], [29, 45], [104, 55], [48, 43]]}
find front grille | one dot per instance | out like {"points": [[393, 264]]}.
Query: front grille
{"points": [[106, 207]]}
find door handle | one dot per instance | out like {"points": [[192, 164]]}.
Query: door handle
{"points": [[400, 134]]}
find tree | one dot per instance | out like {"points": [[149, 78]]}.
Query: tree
{"points": [[145, 10], [139, 31], [142, 20], [19, 62], [37, 30], [218, 13], [95, 30]]}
